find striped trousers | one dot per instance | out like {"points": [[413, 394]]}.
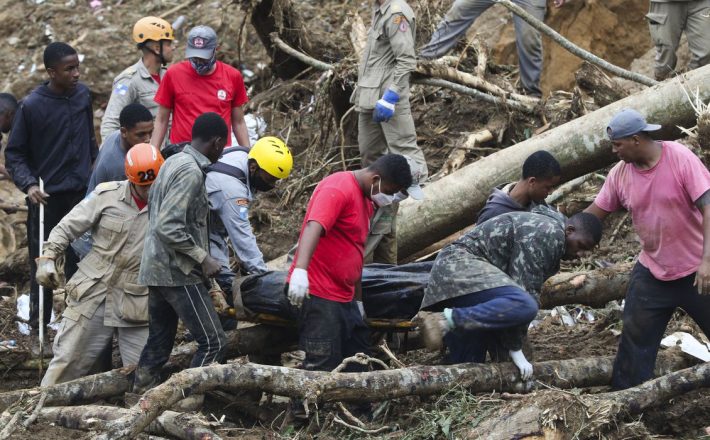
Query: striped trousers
{"points": [[192, 305]]}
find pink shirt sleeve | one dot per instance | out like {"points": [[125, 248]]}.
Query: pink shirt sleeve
{"points": [[326, 206], [608, 197], [694, 176]]}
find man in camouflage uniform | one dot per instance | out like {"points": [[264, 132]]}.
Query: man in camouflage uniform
{"points": [[381, 98], [139, 83], [103, 296], [667, 19], [176, 263], [487, 282], [464, 13]]}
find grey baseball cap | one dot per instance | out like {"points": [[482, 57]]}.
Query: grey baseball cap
{"points": [[415, 190], [627, 123], [201, 42]]}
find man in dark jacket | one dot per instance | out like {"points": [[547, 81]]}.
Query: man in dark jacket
{"points": [[176, 262], [541, 173], [52, 139]]}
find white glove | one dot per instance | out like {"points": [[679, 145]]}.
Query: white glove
{"points": [[298, 287], [361, 308], [47, 273], [525, 367]]}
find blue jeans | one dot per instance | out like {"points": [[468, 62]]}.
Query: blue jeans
{"points": [[193, 306], [485, 320], [649, 306]]}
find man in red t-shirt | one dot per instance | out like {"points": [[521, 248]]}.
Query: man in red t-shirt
{"points": [[199, 85], [666, 189], [324, 279]]}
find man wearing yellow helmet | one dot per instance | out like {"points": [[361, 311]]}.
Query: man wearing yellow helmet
{"points": [[231, 184], [139, 83]]}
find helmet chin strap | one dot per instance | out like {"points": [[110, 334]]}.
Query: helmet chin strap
{"points": [[158, 54]]}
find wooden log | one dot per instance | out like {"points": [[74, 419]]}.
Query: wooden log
{"points": [[578, 145], [94, 417], [598, 85], [259, 339], [593, 288], [564, 416], [316, 386]]}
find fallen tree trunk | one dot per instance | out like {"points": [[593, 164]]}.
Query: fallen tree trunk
{"points": [[259, 339], [592, 288], [317, 386], [577, 145], [94, 417], [562, 415]]}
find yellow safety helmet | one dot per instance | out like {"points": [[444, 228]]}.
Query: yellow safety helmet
{"points": [[273, 156], [152, 28]]}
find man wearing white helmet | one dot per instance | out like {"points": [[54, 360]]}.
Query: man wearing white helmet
{"points": [[139, 83]]}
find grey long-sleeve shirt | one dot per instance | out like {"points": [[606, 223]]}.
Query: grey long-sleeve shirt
{"points": [[229, 204]]}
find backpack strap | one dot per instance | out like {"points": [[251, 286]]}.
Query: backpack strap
{"points": [[230, 170]]}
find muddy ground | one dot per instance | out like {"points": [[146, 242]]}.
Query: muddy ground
{"points": [[298, 110]]}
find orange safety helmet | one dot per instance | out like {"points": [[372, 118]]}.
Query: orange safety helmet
{"points": [[143, 162], [152, 28]]}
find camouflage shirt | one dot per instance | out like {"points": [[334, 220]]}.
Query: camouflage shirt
{"points": [[176, 240], [516, 249]]}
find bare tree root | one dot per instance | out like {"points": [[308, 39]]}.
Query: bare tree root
{"points": [[316, 386]]}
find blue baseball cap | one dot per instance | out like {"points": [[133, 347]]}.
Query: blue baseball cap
{"points": [[201, 42], [628, 122]]}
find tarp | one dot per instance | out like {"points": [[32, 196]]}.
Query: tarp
{"points": [[388, 291]]}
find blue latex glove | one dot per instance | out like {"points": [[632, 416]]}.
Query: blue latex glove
{"points": [[384, 109]]}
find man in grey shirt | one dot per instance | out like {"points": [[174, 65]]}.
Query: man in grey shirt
{"points": [[136, 128]]}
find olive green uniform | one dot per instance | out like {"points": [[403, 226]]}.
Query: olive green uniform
{"points": [[667, 20], [135, 84], [103, 296], [387, 61]]}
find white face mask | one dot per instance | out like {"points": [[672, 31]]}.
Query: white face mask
{"points": [[400, 196], [381, 199]]}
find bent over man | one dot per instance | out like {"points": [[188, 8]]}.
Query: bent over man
{"points": [[104, 296], [666, 188], [485, 285]]}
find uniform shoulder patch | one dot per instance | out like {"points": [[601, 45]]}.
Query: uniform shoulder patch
{"points": [[121, 89], [106, 186]]}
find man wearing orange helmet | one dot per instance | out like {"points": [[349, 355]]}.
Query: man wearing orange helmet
{"points": [[139, 83], [103, 297]]}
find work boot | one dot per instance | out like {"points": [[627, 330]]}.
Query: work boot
{"points": [[433, 328]]}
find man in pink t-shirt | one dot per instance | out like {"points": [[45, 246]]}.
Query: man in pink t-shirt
{"points": [[324, 279], [666, 188]]}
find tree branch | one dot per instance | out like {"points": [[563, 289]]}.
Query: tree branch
{"points": [[573, 48]]}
